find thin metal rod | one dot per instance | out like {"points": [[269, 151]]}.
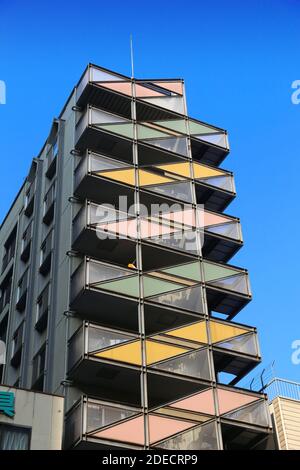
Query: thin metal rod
{"points": [[131, 56]]}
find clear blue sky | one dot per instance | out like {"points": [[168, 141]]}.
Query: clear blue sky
{"points": [[238, 59]]}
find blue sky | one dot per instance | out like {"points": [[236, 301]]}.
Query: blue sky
{"points": [[238, 60]]}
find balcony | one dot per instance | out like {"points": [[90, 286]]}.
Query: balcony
{"points": [[227, 288], [92, 180], [104, 233], [113, 92], [26, 242], [222, 236], [184, 423], [89, 419], [29, 199], [235, 348], [116, 311], [214, 187], [93, 362]]}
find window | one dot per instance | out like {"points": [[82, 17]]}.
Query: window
{"points": [[26, 241], [38, 369], [22, 291], [45, 257], [9, 248], [49, 205], [17, 344], [29, 199], [5, 291], [14, 437], [42, 309]]}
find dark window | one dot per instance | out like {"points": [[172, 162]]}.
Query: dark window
{"points": [[9, 248], [22, 291], [14, 437], [17, 345], [38, 369], [42, 309], [26, 242], [49, 205], [5, 291], [46, 251]]}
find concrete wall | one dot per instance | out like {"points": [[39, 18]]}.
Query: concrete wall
{"points": [[41, 412], [286, 416]]}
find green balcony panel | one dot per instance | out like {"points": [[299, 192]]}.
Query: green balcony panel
{"points": [[178, 125], [153, 286], [125, 130], [128, 286], [145, 132], [188, 271], [213, 272]]}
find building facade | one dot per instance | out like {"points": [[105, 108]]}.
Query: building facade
{"points": [[116, 290], [30, 420]]}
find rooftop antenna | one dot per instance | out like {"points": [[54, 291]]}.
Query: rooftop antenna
{"points": [[131, 56]]}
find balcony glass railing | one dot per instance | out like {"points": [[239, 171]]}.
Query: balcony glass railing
{"points": [[170, 136], [89, 417], [234, 337]]}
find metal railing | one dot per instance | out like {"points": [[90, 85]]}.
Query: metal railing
{"points": [[283, 388]]}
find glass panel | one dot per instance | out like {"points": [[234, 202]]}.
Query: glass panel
{"points": [[102, 214], [99, 416], [182, 169], [188, 271], [200, 438], [178, 125], [214, 271], [172, 144], [234, 283], [122, 176], [187, 299], [174, 103], [147, 178], [216, 139], [122, 87], [223, 182], [128, 286], [244, 343], [182, 191], [257, 414], [103, 76], [99, 339], [145, 132], [194, 364], [101, 117], [199, 128], [153, 286], [230, 230], [183, 240], [98, 272], [175, 87], [100, 163], [125, 130]]}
